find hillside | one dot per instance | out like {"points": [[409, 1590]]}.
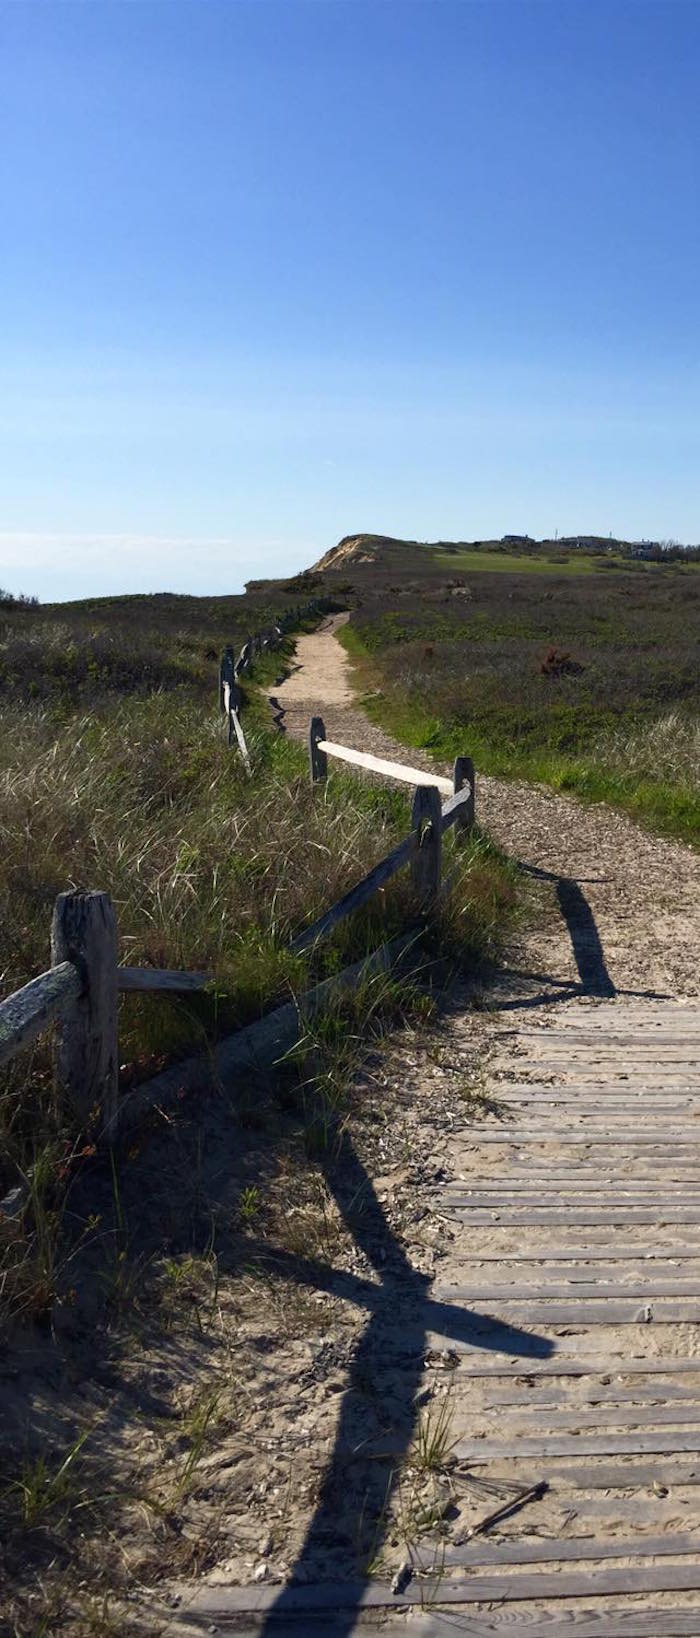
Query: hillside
{"points": [[575, 665], [582, 552]]}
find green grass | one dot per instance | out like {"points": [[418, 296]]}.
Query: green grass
{"points": [[515, 563], [137, 794], [661, 793], [553, 562], [115, 774], [590, 687]]}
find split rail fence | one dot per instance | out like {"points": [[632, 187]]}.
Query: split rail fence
{"points": [[80, 991]]}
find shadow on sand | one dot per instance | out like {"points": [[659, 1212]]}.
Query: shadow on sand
{"points": [[401, 1314]]}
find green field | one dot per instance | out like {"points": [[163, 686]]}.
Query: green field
{"points": [[584, 675], [477, 561], [574, 562]]}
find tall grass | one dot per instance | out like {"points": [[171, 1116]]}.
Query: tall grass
{"points": [[209, 869]]}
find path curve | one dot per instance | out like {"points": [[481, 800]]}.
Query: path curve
{"points": [[641, 891]]}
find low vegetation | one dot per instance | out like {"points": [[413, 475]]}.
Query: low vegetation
{"points": [[114, 773], [587, 681]]}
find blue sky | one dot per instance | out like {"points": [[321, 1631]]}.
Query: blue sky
{"points": [[275, 272]]}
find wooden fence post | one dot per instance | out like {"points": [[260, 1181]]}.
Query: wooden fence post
{"points": [[464, 775], [426, 864], [227, 672], [318, 761], [84, 931]]}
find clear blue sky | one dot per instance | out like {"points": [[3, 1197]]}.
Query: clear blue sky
{"points": [[275, 272]]}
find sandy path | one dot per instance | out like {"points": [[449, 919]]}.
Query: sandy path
{"points": [[534, 1259], [638, 898]]}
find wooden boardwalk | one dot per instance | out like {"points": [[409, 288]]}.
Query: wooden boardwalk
{"points": [[574, 1208]]}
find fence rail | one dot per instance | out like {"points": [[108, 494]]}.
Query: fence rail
{"points": [[79, 993], [377, 764], [422, 848], [230, 669]]}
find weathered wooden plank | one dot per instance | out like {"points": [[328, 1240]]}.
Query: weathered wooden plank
{"points": [[561, 1097], [646, 1169], [357, 895], [559, 1200], [219, 1602], [613, 1089], [561, 1364], [627, 1621], [648, 1511], [318, 761], [634, 1290], [614, 1048], [576, 1217], [84, 932], [522, 1188], [580, 1131], [227, 673], [545, 1274], [378, 764], [158, 978], [618, 1065], [655, 1391], [603, 1250], [676, 1169], [485, 1554], [464, 813], [564, 1136], [457, 809], [671, 1180], [613, 1037], [235, 723], [625, 1417], [627, 1474], [585, 1444], [564, 1114], [587, 1311], [232, 697], [257, 1046], [426, 858], [25, 1013]]}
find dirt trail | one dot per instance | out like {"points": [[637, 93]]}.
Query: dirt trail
{"points": [[641, 892], [516, 1319]]}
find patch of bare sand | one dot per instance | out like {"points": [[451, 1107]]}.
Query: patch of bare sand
{"points": [[317, 670]]}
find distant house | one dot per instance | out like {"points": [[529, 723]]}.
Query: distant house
{"points": [[517, 540], [646, 548]]}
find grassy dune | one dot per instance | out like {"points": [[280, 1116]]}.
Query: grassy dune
{"points": [[590, 683]]}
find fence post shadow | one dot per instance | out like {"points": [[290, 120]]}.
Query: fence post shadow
{"points": [[401, 1314], [586, 944]]}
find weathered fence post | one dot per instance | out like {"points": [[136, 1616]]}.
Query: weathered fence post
{"points": [[235, 701], [464, 775], [84, 931], [426, 864], [227, 672], [318, 761]]}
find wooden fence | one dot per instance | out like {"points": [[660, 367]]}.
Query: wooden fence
{"points": [[79, 993], [230, 669], [422, 848]]}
